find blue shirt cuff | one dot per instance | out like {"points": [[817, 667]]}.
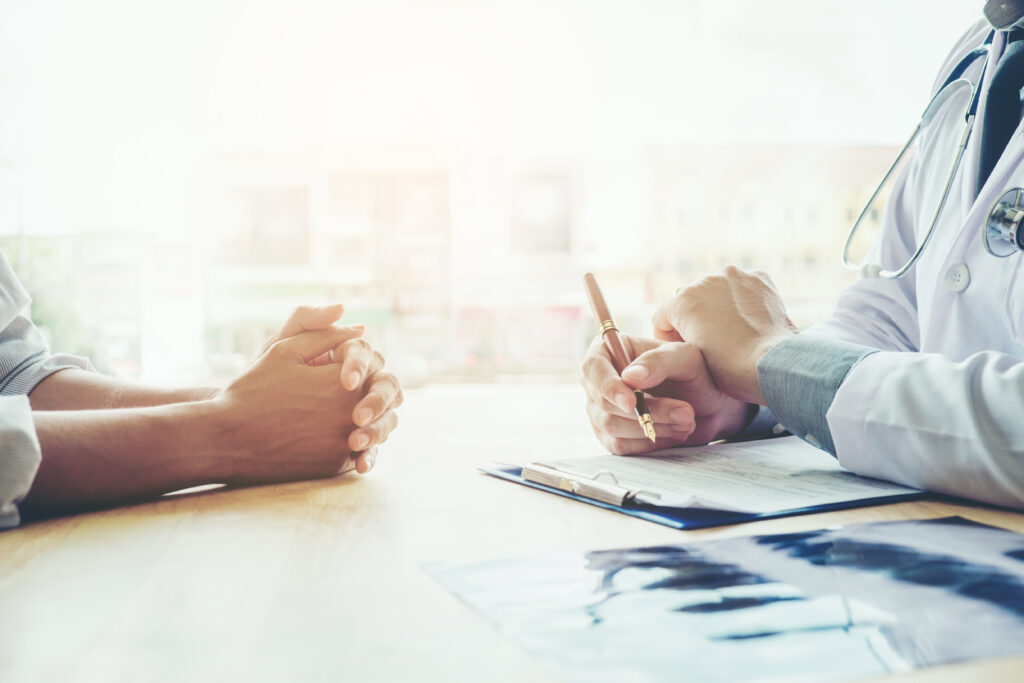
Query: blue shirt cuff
{"points": [[799, 378]]}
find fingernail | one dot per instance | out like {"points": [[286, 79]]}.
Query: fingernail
{"points": [[362, 441], [371, 460], [681, 416], [352, 380], [363, 416], [622, 401]]}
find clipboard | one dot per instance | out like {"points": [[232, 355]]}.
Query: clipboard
{"points": [[609, 495]]}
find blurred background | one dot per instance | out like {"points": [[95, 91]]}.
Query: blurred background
{"points": [[176, 176]]}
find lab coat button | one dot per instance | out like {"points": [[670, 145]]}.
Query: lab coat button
{"points": [[957, 278]]}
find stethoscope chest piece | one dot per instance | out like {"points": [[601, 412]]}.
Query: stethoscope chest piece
{"points": [[1003, 235]]}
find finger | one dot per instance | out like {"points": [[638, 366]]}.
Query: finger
{"points": [[670, 411], [664, 321], [306, 346], [638, 446], [384, 393], [671, 335], [677, 361], [623, 427], [364, 462], [307, 318], [670, 417], [674, 413], [348, 332], [602, 381], [373, 434], [359, 360]]}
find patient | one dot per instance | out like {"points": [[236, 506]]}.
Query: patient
{"points": [[316, 402]]}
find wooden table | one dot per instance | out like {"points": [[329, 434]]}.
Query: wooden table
{"points": [[322, 580]]}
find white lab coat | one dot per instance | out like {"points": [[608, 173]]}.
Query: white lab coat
{"points": [[942, 406]]}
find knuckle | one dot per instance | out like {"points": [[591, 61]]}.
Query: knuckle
{"points": [[361, 347], [370, 432], [388, 382], [278, 349], [608, 387]]}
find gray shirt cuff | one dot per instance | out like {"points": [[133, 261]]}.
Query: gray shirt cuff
{"points": [[799, 378]]}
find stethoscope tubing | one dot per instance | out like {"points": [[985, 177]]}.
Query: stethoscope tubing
{"points": [[955, 76]]}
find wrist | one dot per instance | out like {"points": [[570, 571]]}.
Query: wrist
{"points": [[750, 392], [206, 428], [734, 419]]}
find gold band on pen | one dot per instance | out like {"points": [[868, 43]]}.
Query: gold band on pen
{"points": [[608, 325]]}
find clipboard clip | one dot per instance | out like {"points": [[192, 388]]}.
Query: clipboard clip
{"points": [[585, 485]]}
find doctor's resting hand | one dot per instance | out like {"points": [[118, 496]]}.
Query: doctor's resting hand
{"points": [[734, 318], [701, 369], [315, 403]]}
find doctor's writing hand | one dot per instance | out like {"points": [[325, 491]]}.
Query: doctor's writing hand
{"points": [[361, 369], [687, 407], [734, 318]]}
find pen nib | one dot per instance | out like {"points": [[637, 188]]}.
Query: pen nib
{"points": [[648, 425]]}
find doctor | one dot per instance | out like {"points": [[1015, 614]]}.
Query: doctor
{"points": [[918, 375]]}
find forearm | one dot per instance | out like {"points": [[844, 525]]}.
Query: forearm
{"points": [[918, 419], [80, 390], [98, 456]]}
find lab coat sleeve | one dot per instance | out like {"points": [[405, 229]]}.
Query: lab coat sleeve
{"points": [[19, 456], [926, 421]]}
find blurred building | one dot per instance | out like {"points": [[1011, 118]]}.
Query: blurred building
{"points": [[462, 267]]}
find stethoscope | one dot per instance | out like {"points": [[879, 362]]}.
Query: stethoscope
{"points": [[1002, 235]]}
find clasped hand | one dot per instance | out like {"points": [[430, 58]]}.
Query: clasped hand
{"points": [[316, 402], [701, 368]]}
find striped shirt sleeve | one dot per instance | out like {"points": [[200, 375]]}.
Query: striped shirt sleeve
{"points": [[19, 456], [25, 361]]}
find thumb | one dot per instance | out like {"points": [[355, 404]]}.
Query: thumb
{"points": [[305, 318], [678, 361]]}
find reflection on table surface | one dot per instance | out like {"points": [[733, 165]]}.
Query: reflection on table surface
{"points": [[323, 580]]}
